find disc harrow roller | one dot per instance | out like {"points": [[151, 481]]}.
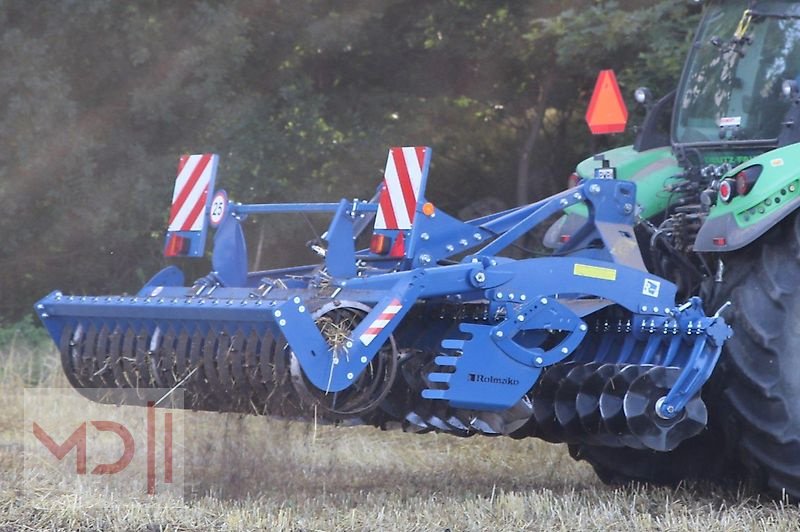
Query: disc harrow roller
{"points": [[246, 371]]}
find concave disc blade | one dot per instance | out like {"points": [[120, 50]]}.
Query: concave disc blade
{"points": [[566, 396], [611, 405], [652, 430], [587, 404], [544, 395]]}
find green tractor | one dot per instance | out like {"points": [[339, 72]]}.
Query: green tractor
{"points": [[718, 192]]}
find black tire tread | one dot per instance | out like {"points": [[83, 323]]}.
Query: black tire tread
{"points": [[758, 376]]}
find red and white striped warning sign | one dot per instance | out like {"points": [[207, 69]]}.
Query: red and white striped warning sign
{"points": [[381, 321], [191, 192], [402, 181]]}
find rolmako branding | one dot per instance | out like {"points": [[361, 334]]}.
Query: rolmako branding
{"points": [[488, 379]]}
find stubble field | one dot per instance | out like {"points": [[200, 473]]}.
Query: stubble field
{"points": [[248, 473]]}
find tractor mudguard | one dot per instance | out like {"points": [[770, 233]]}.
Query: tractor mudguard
{"points": [[649, 169], [772, 197]]}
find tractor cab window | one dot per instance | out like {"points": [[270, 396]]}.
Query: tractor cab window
{"points": [[731, 88]]}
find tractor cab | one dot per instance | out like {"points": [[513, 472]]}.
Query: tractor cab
{"points": [[741, 78], [721, 173]]}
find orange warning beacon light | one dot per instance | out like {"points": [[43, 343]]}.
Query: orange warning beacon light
{"points": [[607, 112]]}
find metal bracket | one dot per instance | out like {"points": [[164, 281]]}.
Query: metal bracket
{"points": [[710, 334]]}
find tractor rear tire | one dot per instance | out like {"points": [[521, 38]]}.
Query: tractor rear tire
{"points": [[753, 396], [695, 459], [757, 382]]}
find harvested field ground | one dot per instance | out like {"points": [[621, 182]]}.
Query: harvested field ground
{"points": [[244, 473]]}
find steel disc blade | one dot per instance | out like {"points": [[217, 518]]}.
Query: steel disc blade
{"points": [[640, 408], [462, 429], [439, 423], [549, 429], [611, 405], [517, 416], [414, 423], [479, 425], [587, 404], [565, 399]]}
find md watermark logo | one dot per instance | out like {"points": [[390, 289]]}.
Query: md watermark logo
{"points": [[120, 440]]}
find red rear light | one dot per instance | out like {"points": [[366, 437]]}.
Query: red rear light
{"points": [[177, 246], [399, 246], [574, 180], [747, 178], [379, 244], [726, 190], [742, 186], [720, 241]]}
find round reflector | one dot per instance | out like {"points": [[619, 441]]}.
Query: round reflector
{"points": [[725, 190]]}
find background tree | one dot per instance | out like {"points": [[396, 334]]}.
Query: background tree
{"points": [[301, 100]]}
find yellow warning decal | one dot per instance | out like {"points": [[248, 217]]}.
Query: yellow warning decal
{"points": [[595, 272]]}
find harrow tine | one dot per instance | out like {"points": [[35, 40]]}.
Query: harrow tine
{"points": [[128, 350], [115, 356], [210, 350], [104, 375], [222, 365], [282, 401], [237, 377], [255, 374], [269, 373], [182, 354], [153, 359], [141, 370], [168, 358], [86, 360], [201, 399], [67, 355]]}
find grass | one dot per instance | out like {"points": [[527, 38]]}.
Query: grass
{"points": [[246, 473]]}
